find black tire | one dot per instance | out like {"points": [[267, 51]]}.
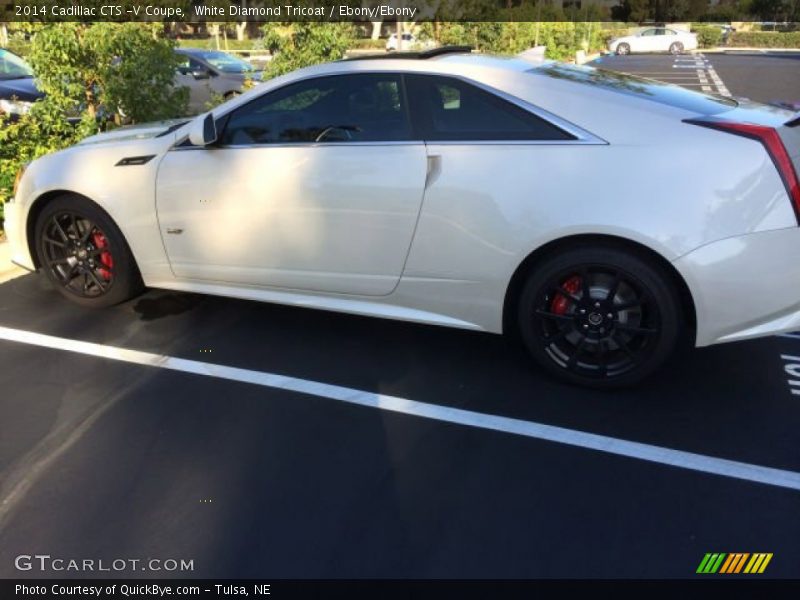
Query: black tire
{"points": [[676, 48], [616, 335], [623, 49], [83, 253]]}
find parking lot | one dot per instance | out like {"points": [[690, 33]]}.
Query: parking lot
{"points": [[261, 441], [758, 75]]}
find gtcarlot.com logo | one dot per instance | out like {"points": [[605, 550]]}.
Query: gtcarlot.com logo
{"points": [[735, 562], [45, 562]]}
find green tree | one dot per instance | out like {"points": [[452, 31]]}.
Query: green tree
{"points": [[97, 75], [121, 70], [301, 44], [632, 10]]}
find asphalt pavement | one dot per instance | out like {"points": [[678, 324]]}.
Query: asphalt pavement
{"points": [[757, 75], [225, 433], [105, 459]]}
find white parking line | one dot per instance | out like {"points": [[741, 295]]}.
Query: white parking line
{"points": [[722, 90], [530, 429]]}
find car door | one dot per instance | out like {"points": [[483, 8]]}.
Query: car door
{"points": [[647, 41], [314, 186], [664, 39]]}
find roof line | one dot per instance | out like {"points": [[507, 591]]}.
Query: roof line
{"points": [[422, 55]]}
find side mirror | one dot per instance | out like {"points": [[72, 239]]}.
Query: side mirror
{"points": [[201, 74], [203, 131]]}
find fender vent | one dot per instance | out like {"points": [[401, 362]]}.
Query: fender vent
{"points": [[132, 161]]}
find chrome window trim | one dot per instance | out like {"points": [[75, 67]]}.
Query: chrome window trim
{"points": [[404, 143], [582, 136]]}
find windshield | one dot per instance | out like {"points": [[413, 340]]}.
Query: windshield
{"points": [[226, 62], [646, 89], [13, 67]]}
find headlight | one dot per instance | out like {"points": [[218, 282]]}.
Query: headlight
{"points": [[15, 107], [18, 178]]}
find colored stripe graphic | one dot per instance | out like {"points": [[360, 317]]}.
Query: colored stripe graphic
{"points": [[758, 563], [727, 564], [735, 562], [711, 563], [724, 563]]}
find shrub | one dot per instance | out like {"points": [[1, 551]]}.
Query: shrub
{"points": [[210, 44], [368, 44], [708, 36], [301, 44], [19, 46], [109, 68], [765, 39], [101, 74], [563, 39]]}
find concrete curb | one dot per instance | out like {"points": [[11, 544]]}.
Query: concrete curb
{"points": [[8, 270], [723, 49]]}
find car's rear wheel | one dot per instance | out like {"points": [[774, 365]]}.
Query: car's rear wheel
{"points": [[676, 48], [599, 316], [84, 254], [623, 49]]}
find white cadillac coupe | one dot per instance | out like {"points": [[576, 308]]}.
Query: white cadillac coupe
{"points": [[598, 215]]}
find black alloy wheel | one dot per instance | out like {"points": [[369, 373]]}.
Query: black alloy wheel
{"points": [[83, 253], [77, 253], [600, 318]]}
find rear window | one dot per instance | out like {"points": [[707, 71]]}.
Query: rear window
{"points": [[647, 89]]}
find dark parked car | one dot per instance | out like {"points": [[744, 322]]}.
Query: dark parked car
{"points": [[17, 88], [209, 72]]}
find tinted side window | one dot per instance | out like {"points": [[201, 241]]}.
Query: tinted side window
{"points": [[449, 109], [189, 65], [340, 108]]}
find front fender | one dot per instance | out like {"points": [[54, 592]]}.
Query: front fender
{"points": [[125, 192]]}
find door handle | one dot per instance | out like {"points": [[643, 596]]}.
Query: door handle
{"points": [[434, 168], [176, 230]]}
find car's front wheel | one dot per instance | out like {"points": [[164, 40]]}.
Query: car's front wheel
{"points": [[623, 49], [599, 316], [84, 254]]}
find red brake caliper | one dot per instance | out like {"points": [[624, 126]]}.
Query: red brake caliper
{"points": [[100, 242], [561, 303]]}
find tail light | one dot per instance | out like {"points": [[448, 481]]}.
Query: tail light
{"points": [[771, 140]]}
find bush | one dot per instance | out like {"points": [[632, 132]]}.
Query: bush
{"points": [[210, 44], [708, 36], [109, 68], [368, 43], [563, 39], [19, 46], [102, 74], [764, 39], [301, 44]]}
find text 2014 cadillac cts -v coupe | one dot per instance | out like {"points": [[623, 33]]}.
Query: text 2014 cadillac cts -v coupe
{"points": [[598, 215]]}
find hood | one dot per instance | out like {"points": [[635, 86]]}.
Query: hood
{"points": [[142, 131], [23, 89]]}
